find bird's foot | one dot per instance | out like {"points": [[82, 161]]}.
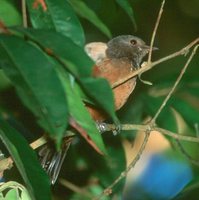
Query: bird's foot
{"points": [[104, 127]]}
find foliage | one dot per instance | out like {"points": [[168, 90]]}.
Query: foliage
{"points": [[51, 73]]}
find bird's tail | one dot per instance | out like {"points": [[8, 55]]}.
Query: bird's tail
{"points": [[52, 160]]}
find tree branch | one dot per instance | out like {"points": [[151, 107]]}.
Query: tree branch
{"points": [[123, 174], [147, 66]]}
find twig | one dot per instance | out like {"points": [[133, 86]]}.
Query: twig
{"points": [[24, 13], [130, 127], [149, 66], [39, 142], [177, 136], [175, 85], [155, 30], [75, 188], [182, 51], [108, 190]]}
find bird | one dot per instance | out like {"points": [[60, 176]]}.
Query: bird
{"points": [[113, 61]]}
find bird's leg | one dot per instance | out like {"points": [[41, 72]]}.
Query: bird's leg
{"points": [[104, 127]]}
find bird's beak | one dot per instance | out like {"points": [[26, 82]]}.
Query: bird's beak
{"points": [[146, 47]]}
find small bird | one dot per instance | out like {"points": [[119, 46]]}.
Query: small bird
{"points": [[114, 61]]}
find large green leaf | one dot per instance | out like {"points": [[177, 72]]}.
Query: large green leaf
{"points": [[125, 5], [26, 161], [59, 16], [78, 63], [74, 57], [79, 112], [34, 76], [84, 11]]}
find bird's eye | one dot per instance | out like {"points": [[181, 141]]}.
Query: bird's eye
{"points": [[133, 42]]}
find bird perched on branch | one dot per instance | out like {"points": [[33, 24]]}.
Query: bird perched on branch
{"points": [[114, 61]]}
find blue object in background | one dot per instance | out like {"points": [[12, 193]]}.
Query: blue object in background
{"points": [[162, 179]]}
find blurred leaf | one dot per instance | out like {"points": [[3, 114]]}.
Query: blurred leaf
{"points": [[58, 16], [4, 81], [189, 113], [165, 119], [190, 190], [192, 88], [74, 57], [26, 161], [37, 83], [185, 148], [13, 18], [114, 165], [126, 6], [84, 11], [79, 112]]}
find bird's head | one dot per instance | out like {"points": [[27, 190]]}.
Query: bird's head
{"points": [[128, 46]]}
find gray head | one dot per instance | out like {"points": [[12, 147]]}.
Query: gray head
{"points": [[127, 46]]}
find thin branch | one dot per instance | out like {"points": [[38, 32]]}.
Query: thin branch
{"points": [[155, 31], [39, 142], [24, 13], [148, 66], [177, 136], [175, 85], [130, 127], [123, 174], [182, 51]]}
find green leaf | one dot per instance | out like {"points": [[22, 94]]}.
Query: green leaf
{"points": [[126, 6], [13, 18], [189, 113], [34, 76], [26, 161], [58, 16], [79, 112], [100, 90], [97, 89], [84, 11], [12, 194], [71, 55]]}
